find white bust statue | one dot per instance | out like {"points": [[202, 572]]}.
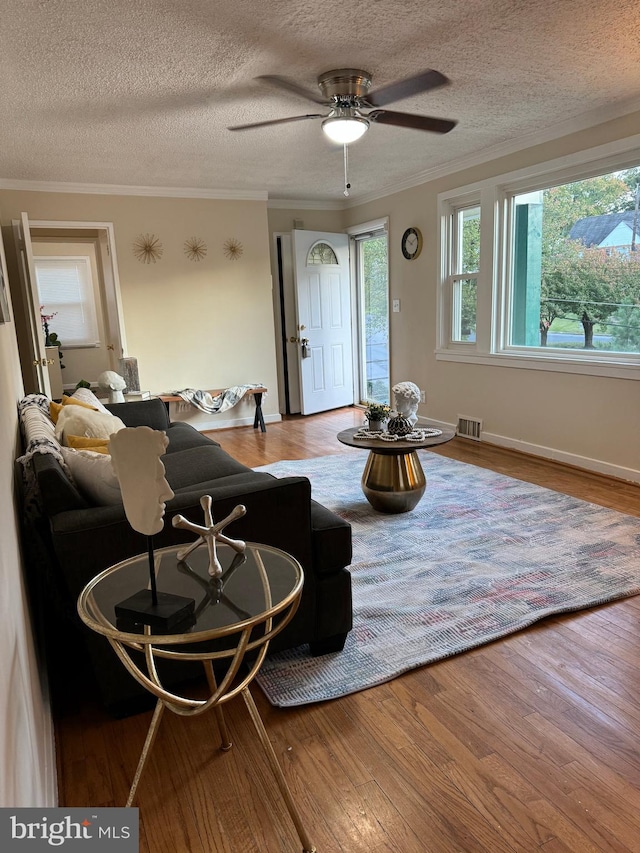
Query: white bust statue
{"points": [[407, 398], [112, 382], [135, 457]]}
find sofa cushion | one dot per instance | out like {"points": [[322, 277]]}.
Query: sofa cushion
{"points": [[244, 480], [183, 436], [330, 539], [151, 413], [93, 474], [185, 468]]}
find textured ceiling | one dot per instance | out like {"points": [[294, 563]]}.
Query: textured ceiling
{"points": [[141, 92]]}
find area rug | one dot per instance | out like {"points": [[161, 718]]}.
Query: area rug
{"points": [[481, 556]]}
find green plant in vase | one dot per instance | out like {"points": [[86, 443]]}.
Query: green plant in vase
{"points": [[377, 414], [50, 338]]}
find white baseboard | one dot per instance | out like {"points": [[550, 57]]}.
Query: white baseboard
{"points": [[586, 463], [206, 425]]}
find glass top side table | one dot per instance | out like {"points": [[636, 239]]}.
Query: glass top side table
{"points": [[240, 612]]}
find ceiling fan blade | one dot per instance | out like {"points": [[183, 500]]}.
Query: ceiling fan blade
{"points": [[291, 86], [417, 122], [404, 88], [273, 121]]}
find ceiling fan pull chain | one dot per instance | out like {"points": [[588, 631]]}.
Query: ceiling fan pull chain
{"points": [[347, 185]]}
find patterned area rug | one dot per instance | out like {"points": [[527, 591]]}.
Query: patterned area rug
{"points": [[481, 556]]}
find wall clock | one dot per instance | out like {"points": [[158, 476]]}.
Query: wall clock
{"points": [[411, 243]]}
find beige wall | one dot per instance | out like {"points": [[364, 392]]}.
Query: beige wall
{"points": [[27, 766], [206, 324], [586, 420], [282, 220]]}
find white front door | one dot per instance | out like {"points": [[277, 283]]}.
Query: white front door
{"points": [[323, 306]]}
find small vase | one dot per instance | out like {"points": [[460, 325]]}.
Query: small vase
{"points": [[399, 425], [375, 426]]}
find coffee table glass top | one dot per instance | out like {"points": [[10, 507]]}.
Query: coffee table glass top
{"points": [[262, 580]]}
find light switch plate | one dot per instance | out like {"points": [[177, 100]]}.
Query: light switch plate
{"points": [[396, 306]]}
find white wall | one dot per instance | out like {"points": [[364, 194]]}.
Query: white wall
{"points": [[27, 765]]}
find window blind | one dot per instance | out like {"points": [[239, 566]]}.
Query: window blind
{"points": [[66, 290]]}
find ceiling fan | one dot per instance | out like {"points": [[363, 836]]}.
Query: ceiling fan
{"points": [[345, 92]]}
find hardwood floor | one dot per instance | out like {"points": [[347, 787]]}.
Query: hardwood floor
{"points": [[529, 743]]}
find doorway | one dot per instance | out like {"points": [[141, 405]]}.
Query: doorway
{"points": [[369, 296], [95, 241], [313, 318], [371, 266]]}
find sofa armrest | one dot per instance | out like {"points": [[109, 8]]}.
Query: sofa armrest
{"points": [[151, 413], [57, 492]]}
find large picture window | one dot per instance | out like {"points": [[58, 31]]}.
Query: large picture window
{"points": [[575, 272], [553, 277]]}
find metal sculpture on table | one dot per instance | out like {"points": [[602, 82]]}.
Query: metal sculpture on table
{"points": [[211, 533]]}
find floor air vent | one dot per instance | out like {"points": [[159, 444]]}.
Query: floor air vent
{"points": [[469, 427]]}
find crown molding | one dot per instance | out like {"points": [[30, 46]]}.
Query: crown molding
{"points": [[302, 204], [114, 189]]}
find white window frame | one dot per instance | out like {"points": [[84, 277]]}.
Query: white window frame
{"points": [[88, 302], [495, 196]]}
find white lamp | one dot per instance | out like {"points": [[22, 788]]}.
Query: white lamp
{"points": [[345, 129]]}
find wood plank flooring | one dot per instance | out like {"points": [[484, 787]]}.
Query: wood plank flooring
{"points": [[529, 743]]}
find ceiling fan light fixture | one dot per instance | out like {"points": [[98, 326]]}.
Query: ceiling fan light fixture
{"points": [[345, 129]]}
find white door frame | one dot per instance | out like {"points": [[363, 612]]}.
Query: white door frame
{"points": [[284, 303], [106, 250], [115, 314]]}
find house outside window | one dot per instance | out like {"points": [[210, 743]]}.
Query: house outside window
{"points": [[553, 277]]}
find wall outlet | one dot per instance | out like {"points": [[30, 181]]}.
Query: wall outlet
{"points": [[396, 306], [423, 397]]}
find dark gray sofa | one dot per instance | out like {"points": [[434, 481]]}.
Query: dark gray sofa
{"points": [[83, 539]]}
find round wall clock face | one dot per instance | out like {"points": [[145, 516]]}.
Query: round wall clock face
{"points": [[411, 243]]}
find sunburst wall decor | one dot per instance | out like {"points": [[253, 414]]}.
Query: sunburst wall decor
{"points": [[147, 248], [195, 249], [233, 249]]}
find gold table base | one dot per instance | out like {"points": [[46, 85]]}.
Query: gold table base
{"points": [[393, 482]]}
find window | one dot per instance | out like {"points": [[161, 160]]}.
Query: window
{"points": [[65, 289], [554, 275], [321, 253], [575, 269], [463, 280]]}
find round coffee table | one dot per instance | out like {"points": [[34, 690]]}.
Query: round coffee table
{"points": [[393, 480]]}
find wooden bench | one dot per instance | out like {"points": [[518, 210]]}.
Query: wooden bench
{"points": [[257, 393]]}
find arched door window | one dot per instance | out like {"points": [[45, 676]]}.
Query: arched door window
{"points": [[321, 253]]}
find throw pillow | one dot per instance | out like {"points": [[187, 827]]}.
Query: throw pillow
{"points": [[84, 442], [56, 408], [93, 474], [87, 396], [76, 420]]}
